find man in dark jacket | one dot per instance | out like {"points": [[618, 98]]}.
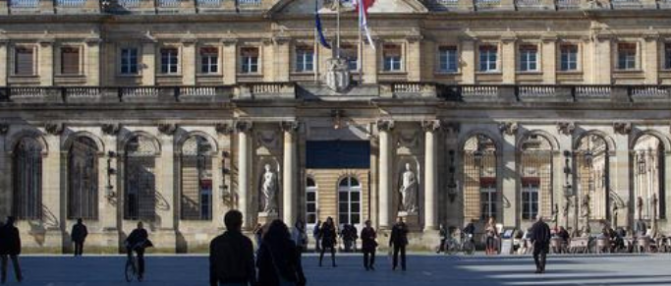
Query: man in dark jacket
{"points": [[540, 237], [232, 255], [78, 235], [399, 241], [138, 241], [10, 248], [368, 246]]}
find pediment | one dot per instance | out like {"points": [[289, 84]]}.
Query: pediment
{"points": [[307, 7]]}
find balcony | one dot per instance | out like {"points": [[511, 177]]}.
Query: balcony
{"points": [[24, 6], [487, 4], [568, 4]]}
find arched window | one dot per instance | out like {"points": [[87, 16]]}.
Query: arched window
{"points": [[591, 159], [536, 176], [27, 201], [140, 181], [649, 177], [311, 201], [481, 193], [349, 201], [196, 196], [83, 179]]}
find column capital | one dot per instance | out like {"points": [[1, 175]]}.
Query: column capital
{"points": [[431, 125], [243, 125], [622, 128], [565, 128], [54, 128], [229, 41], [224, 128], [290, 126], [385, 125], [508, 128], [451, 127]]}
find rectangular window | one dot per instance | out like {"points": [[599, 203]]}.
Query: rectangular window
{"points": [[206, 199], [488, 58], [530, 191], [129, 61], [209, 60], [487, 199], [392, 57], [24, 61], [528, 58], [249, 60], [304, 59], [351, 54], [667, 56], [448, 59], [568, 57], [70, 60], [169, 60], [626, 56]]}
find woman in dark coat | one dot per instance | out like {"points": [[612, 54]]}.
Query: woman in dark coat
{"points": [[329, 236], [368, 246], [277, 261]]}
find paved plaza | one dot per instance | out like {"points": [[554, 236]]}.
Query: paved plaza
{"points": [[424, 270]]}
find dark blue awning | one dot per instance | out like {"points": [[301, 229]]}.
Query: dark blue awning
{"points": [[338, 154]]}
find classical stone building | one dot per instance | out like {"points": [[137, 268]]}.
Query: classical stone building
{"points": [[172, 112]]}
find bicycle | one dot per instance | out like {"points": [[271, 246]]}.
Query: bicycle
{"points": [[464, 244], [132, 269]]}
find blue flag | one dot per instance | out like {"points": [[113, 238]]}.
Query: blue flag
{"points": [[318, 25]]}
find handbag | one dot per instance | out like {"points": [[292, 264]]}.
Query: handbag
{"points": [[280, 279]]}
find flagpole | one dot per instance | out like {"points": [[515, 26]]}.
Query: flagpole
{"points": [[338, 30], [315, 64], [360, 51]]}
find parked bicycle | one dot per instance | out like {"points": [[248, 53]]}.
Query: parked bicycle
{"points": [[460, 243]]}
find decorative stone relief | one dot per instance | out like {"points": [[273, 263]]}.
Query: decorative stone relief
{"points": [[111, 128], [243, 126], [623, 128], [54, 128], [167, 128], [431, 125], [565, 128], [291, 126], [224, 128], [508, 128], [385, 125]]}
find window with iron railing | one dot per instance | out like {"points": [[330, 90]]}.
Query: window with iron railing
{"points": [[249, 2]]}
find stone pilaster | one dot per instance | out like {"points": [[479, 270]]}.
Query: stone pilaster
{"points": [[620, 170], [52, 219], [650, 58], [414, 57], [430, 175], [165, 172], [230, 56], [601, 54], [189, 63], [45, 64], [4, 61], [468, 56], [5, 172], [370, 62], [549, 59], [289, 173], [384, 193], [508, 174], [149, 63], [243, 129], [92, 62], [282, 59], [508, 62]]}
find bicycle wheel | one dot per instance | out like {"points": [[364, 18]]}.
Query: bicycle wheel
{"points": [[451, 249], [468, 248], [130, 270]]}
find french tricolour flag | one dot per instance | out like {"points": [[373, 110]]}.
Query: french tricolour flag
{"points": [[362, 8]]}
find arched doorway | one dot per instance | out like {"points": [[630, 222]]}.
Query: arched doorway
{"points": [[648, 170], [482, 197], [592, 169]]}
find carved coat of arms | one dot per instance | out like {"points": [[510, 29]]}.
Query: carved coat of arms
{"points": [[338, 76]]}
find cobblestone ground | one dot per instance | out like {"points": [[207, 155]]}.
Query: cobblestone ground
{"points": [[423, 270]]}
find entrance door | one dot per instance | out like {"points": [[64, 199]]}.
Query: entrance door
{"points": [[349, 202]]}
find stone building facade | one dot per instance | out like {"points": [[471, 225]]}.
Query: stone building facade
{"points": [[172, 112]]}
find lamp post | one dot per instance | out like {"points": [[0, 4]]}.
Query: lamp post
{"points": [[587, 212], [109, 189]]}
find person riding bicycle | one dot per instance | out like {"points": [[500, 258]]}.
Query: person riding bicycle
{"points": [[138, 241], [469, 230]]}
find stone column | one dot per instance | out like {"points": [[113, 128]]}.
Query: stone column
{"points": [[4, 61], [5, 170], [468, 48], [508, 174], [289, 173], [230, 56], [166, 172], [619, 170], [548, 58], [650, 58], [189, 63], [565, 132], [54, 223], [149, 63], [508, 62], [384, 128], [92, 62], [244, 170], [430, 175], [45, 63], [110, 207]]}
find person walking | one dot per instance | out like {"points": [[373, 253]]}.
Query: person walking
{"points": [[300, 239], [10, 248], [368, 246], [138, 241], [442, 233], [540, 237], [78, 236], [232, 255], [316, 234], [328, 240], [491, 236], [278, 260], [399, 241]]}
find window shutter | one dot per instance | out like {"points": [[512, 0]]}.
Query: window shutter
{"points": [[24, 61], [70, 60]]}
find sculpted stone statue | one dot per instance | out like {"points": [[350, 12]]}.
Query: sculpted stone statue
{"points": [[269, 190], [409, 190]]}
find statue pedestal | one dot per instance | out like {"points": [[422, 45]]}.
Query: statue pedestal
{"points": [[411, 220], [267, 217]]}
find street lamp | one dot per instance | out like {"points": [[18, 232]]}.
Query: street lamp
{"points": [[477, 157], [109, 189], [641, 162]]}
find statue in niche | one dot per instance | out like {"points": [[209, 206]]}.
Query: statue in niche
{"points": [[269, 190], [408, 190]]}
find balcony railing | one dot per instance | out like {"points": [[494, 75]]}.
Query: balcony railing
{"points": [[70, 3], [249, 2], [487, 4], [209, 3], [168, 3], [568, 4], [24, 4]]}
